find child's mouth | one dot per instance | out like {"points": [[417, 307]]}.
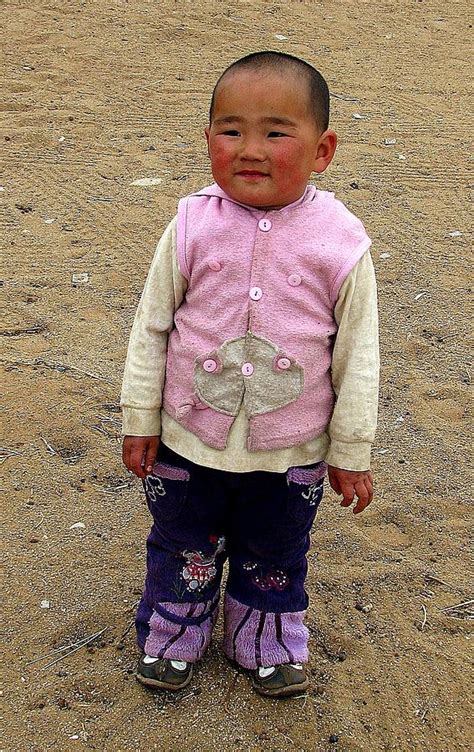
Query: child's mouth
{"points": [[252, 174]]}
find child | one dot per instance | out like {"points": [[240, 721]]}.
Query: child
{"points": [[253, 362]]}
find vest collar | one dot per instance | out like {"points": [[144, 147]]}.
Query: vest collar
{"points": [[310, 194]]}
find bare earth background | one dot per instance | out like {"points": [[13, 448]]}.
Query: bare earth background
{"points": [[99, 94]]}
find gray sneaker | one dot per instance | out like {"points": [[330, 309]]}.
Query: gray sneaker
{"points": [[164, 674], [280, 681]]}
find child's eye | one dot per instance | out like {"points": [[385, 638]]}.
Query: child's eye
{"points": [[276, 134], [231, 133]]}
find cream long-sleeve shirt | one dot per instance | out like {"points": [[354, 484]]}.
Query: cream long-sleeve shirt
{"points": [[355, 369]]}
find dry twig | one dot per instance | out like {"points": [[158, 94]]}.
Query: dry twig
{"points": [[458, 605], [50, 448], [73, 648], [344, 97], [126, 632], [6, 453], [425, 617], [433, 578], [61, 368]]}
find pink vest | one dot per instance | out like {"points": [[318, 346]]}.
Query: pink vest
{"points": [[257, 324]]}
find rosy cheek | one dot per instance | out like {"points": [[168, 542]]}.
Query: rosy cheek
{"points": [[288, 155], [220, 156]]}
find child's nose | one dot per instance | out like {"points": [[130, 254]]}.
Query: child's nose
{"points": [[253, 149]]}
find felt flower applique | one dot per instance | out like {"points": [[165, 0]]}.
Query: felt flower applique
{"points": [[273, 579]]}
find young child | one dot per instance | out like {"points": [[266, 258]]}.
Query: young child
{"points": [[253, 362]]}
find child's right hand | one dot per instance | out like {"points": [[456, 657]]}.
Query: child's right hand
{"points": [[139, 453]]}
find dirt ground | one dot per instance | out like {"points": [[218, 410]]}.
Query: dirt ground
{"points": [[97, 95]]}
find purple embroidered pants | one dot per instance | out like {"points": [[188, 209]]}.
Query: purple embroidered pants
{"points": [[260, 522]]}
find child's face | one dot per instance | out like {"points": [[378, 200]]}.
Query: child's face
{"points": [[262, 141]]}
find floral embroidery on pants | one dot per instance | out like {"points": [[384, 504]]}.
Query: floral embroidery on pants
{"points": [[200, 570]]}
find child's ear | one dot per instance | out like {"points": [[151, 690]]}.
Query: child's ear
{"points": [[207, 133], [325, 150]]}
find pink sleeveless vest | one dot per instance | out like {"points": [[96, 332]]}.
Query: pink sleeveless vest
{"points": [[257, 325]]}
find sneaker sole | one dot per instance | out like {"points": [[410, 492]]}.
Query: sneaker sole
{"points": [[292, 689], [156, 684]]}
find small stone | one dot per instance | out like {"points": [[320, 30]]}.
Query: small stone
{"points": [[354, 184], [333, 739], [33, 540], [147, 181], [80, 278], [45, 604]]}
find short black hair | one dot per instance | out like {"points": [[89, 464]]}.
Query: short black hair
{"points": [[318, 99]]}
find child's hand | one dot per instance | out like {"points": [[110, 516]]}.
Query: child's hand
{"points": [[139, 453], [350, 483]]}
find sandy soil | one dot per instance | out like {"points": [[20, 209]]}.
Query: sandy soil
{"points": [[98, 94]]}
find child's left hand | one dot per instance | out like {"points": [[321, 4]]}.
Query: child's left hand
{"points": [[350, 483]]}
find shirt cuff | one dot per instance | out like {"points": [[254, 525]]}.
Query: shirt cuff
{"points": [[348, 456], [136, 422]]}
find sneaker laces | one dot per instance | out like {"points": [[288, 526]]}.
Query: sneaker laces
{"points": [[178, 665], [265, 671]]}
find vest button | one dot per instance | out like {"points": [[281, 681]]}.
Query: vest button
{"points": [[294, 280], [265, 225], [283, 363], [256, 293], [215, 265], [247, 369], [210, 365]]}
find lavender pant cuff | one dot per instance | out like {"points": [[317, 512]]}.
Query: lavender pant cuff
{"points": [[177, 637], [257, 638]]}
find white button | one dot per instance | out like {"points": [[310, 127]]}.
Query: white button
{"points": [[265, 225], [215, 265], [283, 363], [256, 293], [210, 365], [247, 369], [294, 280]]}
